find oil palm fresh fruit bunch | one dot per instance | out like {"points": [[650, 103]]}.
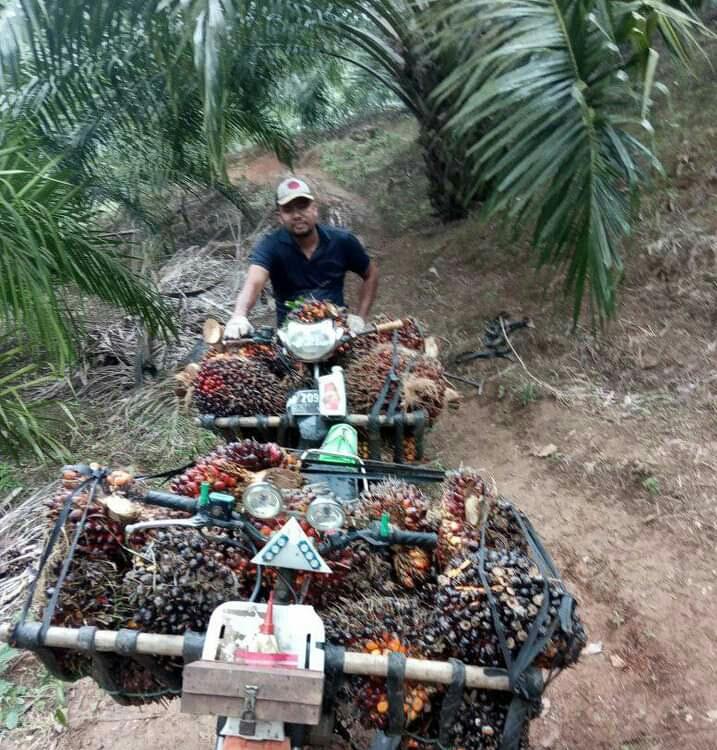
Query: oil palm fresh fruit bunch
{"points": [[232, 385], [177, 581], [381, 625], [473, 610], [465, 497], [229, 468]]}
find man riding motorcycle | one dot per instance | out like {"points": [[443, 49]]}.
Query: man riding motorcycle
{"points": [[303, 259]]}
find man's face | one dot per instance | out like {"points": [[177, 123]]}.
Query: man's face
{"points": [[300, 216]]}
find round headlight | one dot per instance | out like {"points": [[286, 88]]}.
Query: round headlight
{"points": [[325, 514], [262, 500]]}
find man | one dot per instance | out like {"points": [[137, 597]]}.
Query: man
{"points": [[303, 259]]}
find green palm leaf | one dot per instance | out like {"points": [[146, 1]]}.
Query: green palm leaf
{"points": [[47, 245], [24, 422], [557, 92]]}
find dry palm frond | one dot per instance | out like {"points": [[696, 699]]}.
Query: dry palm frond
{"points": [[21, 542]]}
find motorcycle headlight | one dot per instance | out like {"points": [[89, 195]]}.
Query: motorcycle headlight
{"points": [[325, 514], [262, 500], [310, 342]]}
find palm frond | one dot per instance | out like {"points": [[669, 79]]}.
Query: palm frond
{"points": [[46, 243], [24, 422], [564, 152]]}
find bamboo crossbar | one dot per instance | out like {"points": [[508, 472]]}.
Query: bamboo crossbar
{"points": [[355, 663], [357, 420]]}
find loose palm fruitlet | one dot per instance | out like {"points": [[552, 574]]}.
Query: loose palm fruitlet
{"points": [[229, 467], [229, 384], [178, 580]]}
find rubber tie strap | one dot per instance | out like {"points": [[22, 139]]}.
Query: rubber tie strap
{"points": [[396, 693], [86, 638], [126, 642], [334, 671], [452, 702]]}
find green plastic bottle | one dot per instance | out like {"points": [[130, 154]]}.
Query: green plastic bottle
{"points": [[204, 494]]}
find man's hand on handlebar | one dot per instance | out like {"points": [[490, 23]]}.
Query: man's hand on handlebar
{"points": [[238, 327], [357, 324]]}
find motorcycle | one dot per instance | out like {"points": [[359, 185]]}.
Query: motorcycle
{"points": [[312, 412], [265, 669]]}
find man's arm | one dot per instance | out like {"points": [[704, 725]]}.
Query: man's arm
{"points": [[253, 284], [368, 290], [238, 325]]}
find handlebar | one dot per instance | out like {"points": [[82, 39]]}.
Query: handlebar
{"points": [[335, 541]]}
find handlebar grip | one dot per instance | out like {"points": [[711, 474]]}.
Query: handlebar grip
{"points": [[168, 500], [427, 540], [393, 325]]}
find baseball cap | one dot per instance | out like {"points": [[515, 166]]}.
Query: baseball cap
{"points": [[292, 188]]}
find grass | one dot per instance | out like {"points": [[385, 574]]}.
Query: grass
{"points": [[8, 478], [27, 699], [386, 166]]}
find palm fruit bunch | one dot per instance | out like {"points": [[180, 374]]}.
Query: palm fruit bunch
{"points": [[102, 535], [366, 375], [424, 387], [464, 624], [480, 722], [88, 595], [229, 384], [314, 311], [177, 581], [408, 337], [138, 685], [464, 498], [419, 378], [407, 508], [229, 467], [269, 355], [380, 625]]}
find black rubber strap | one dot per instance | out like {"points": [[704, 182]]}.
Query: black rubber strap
{"points": [[392, 377], [262, 425], [452, 702], [193, 644], [334, 671], [523, 707], [207, 421], [86, 638], [54, 536], [396, 693], [126, 642], [399, 431], [50, 609]]}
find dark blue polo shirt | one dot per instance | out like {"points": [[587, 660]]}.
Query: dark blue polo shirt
{"points": [[322, 276]]}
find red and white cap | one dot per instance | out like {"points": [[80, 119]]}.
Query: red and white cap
{"points": [[291, 189]]}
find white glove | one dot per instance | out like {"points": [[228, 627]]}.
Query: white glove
{"points": [[238, 327], [356, 323]]}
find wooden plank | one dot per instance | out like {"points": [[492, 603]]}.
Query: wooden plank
{"points": [[280, 685], [222, 705]]}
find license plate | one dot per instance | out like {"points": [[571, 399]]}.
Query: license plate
{"points": [[304, 403]]}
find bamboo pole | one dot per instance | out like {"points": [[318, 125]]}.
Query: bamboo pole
{"points": [[358, 420], [355, 663]]}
